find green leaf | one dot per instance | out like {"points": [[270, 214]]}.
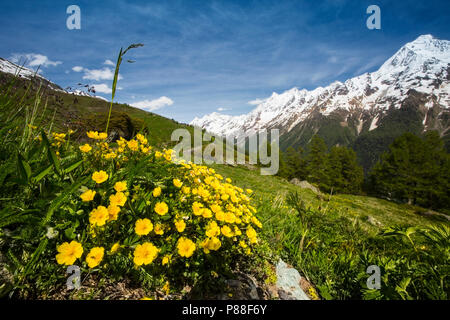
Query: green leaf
{"points": [[35, 257], [50, 154], [73, 166], [23, 168], [38, 177], [61, 198], [70, 233]]}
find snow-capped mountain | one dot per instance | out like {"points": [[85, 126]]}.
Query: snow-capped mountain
{"points": [[23, 72], [360, 103]]}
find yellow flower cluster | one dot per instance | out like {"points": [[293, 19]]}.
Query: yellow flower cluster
{"points": [[96, 135], [187, 212]]}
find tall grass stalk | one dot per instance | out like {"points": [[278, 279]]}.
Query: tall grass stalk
{"points": [[116, 77]]}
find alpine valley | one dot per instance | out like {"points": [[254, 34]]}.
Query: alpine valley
{"points": [[408, 93]]}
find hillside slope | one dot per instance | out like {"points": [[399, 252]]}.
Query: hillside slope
{"points": [[81, 111]]}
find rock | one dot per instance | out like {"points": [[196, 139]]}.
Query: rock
{"points": [[305, 185], [288, 283], [373, 221]]}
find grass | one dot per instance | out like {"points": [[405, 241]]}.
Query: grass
{"points": [[351, 206], [82, 113], [332, 241]]}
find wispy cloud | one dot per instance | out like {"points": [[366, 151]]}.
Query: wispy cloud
{"points": [[99, 74], [151, 105], [77, 68], [33, 60], [102, 88], [256, 102], [109, 62]]}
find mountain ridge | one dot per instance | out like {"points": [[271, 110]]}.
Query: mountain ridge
{"points": [[344, 111]]}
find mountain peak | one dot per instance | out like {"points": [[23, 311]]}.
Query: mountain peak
{"points": [[421, 65]]}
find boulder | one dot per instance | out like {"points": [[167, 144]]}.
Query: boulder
{"points": [[305, 185], [288, 283]]}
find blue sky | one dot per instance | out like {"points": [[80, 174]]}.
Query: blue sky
{"points": [[204, 56]]}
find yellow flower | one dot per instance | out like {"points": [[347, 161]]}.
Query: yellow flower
{"points": [[113, 212], [115, 247], [161, 208], [256, 222], [145, 253], [100, 176], [99, 216], [185, 247], [159, 230], [85, 148], [165, 260], [120, 186], [157, 192], [243, 244], [251, 234], [166, 287], [180, 225], [102, 135], [249, 191], [186, 190], [230, 217], [220, 216], [227, 232], [118, 199], [143, 227], [215, 208], [69, 252], [206, 213], [88, 195], [196, 208], [133, 145], [110, 155], [177, 183], [214, 244], [95, 256], [92, 134], [212, 229], [158, 154]]}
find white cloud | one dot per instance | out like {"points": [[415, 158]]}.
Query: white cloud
{"points": [[77, 69], [99, 74], [222, 109], [33, 60], [102, 88], [109, 62], [256, 102], [151, 105]]}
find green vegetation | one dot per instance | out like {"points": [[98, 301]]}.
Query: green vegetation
{"points": [[334, 171], [81, 113], [57, 190], [415, 170], [333, 239], [121, 210]]}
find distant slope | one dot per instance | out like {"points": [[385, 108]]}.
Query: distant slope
{"points": [[81, 112]]}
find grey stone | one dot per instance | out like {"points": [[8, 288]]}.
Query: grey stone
{"points": [[305, 185], [288, 280]]}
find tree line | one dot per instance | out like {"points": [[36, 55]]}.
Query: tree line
{"points": [[415, 169]]}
